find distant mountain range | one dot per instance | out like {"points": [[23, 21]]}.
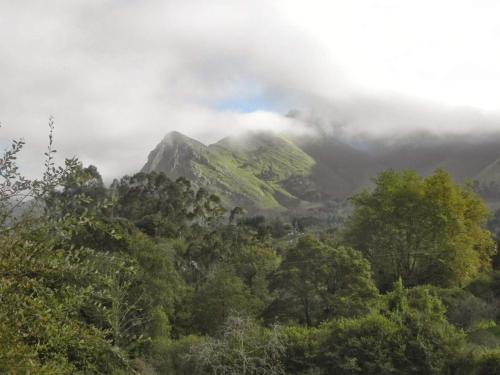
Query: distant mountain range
{"points": [[265, 171]]}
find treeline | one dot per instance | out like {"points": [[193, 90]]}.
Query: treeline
{"points": [[153, 276]]}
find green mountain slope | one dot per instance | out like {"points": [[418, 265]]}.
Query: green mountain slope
{"points": [[250, 171]]}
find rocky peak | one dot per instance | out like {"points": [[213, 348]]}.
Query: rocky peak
{"points": [[177, 138], [175, 154]]}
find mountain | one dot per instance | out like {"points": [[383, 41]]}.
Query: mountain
{"points": [[177, 155], [264, 171], [340, 169], [251, 171], [463, 158]]}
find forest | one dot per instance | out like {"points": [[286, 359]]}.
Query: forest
{"points": [[154, 276]]}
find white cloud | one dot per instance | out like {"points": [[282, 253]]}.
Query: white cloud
{"points": [[118, 74], [444, 51]]}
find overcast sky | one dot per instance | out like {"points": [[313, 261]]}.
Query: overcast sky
{"points": [[119, 74]]}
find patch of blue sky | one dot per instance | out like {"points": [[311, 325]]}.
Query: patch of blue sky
{"points": [[246, 104]]}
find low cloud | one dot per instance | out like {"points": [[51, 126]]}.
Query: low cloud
{"points": [[118, 75]]}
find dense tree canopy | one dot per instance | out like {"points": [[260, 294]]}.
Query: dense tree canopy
{"points": [[153, 276]]}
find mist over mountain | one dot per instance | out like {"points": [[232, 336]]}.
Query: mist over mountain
{"points": [[265, 171]]}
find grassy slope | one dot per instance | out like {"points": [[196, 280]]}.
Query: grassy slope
{"points": [[254, 168]]}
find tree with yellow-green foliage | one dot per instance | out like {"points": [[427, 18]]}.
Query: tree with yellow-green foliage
{"points": [[424, 230]]}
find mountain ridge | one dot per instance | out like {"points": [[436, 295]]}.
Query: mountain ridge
{"points": [[265, 171], [244, 171]]}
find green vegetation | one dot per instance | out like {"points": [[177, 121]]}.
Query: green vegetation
{"points": [[155, 276], [256, 168]]}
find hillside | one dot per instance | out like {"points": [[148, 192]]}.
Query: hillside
{"points": [[340, 169], [264, 171], [251, 172]]}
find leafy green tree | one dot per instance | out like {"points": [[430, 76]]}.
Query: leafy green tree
{"points": [[316, 281], [162, 207], [207, 246], [408, 336], [254, 264], [368, 345], [20, 196], [43, 291], [301, 350], [424, 230], [222, 295], [44, 285], [81, 191], [176, 357], [137, 304], [432, 344]]}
